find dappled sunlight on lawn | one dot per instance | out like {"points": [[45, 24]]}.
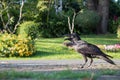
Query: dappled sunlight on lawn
{"points": [[53, 48]]}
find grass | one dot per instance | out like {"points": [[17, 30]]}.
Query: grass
{"points": [[101, 39], [56, 75], [52, 48]]}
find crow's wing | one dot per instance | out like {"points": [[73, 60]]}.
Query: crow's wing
{"points": [[89, 49]]}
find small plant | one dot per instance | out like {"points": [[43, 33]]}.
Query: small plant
{"points": [[118, 32], [13, 45]]}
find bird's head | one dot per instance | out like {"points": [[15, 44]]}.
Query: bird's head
{"points": [[72, 37]]}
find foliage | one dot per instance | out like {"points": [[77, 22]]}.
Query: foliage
{"points": [[87, 21], [114, 19], [28, 29], [113, 24], [114, 9], [118, 31], [13, 45], [11, 13], [54, 26], [74, 4], [42, 5], [30, 11]]}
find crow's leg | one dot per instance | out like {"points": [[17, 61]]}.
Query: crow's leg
{"points": [[85, 58], [90, 62]]}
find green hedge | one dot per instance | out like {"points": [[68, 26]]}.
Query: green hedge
{"points": [[29, 28]]}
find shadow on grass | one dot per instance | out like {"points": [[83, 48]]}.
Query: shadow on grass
{"points": [[51, 40], [43, 54], [48, 52]]}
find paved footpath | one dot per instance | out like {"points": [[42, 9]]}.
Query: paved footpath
{"points": [[51, 65]]}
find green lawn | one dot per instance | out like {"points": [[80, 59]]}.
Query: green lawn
{"points": [[52, 48], [56, 75]]}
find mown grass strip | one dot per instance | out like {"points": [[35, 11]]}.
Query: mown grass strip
{"points": [[56, 75]]}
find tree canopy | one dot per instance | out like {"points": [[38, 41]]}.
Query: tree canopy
{"points": [[50, 15]]}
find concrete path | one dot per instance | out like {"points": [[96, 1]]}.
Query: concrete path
{"points": [[51, 65]]}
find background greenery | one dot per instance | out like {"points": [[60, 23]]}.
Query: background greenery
{"points": [[51, 24], [39, 20]]}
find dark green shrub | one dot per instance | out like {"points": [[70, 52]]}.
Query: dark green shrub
{"points": [[29, 28], [53, 26], [87, 20]]}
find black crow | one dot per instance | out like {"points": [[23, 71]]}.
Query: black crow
{"points": [[88, 50]]}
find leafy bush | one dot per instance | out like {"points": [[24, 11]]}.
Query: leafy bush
{"points": [[29, 28], [87, 20], [118, 32], [53, 29], [13, 45], [53, 26], [113, 24]]}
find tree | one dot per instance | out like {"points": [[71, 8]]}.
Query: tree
{"points": [[102, 8], [6, 18], [70, 11]]}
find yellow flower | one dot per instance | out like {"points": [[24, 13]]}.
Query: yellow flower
{"points": [[21, 54], [20, 51]]}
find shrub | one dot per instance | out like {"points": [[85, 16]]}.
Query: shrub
{"points": [[113, 24], [29, 28], [118, 31], [87, 20], [53, 29], [52, 25], [13, 45]]}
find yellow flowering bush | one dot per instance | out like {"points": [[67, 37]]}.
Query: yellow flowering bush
{"points": [[118, 31], [13, 45]]}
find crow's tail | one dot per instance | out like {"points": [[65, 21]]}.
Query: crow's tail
{"points": [[109, 56], [108, 60]]}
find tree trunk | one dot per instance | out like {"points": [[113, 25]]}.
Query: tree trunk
{"points": [[102, 8], [103, 11]]}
